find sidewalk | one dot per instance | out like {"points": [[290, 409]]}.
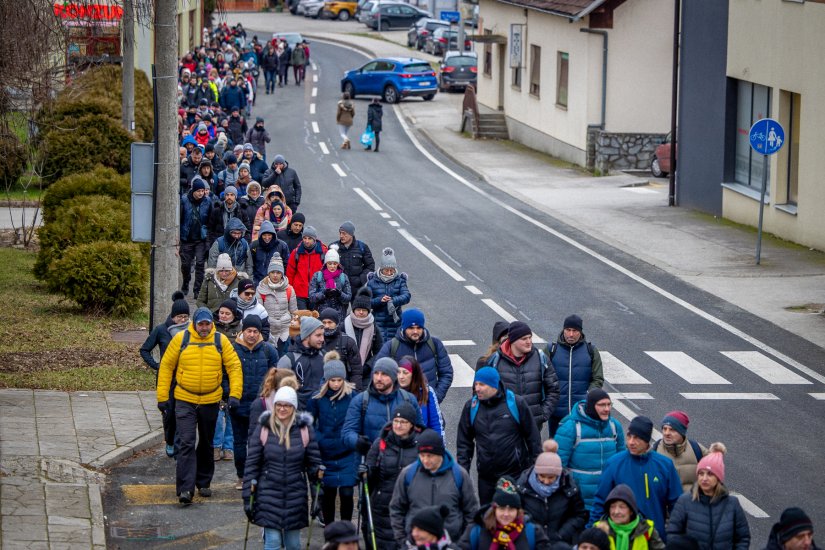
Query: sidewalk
{"points": [[624, 211], [53, 447]]}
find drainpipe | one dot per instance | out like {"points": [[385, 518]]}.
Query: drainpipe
{"points": [[604, 71], [674, 98]]}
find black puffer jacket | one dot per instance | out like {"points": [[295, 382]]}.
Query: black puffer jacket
{"points": [[308, 365], [287, 180], [387, 457], [281, 494], [537, 384], [356, 262], [562, 515], [716, 526]]}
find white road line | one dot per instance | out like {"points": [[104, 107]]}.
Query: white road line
{"points": [[458, 342], [749, 506], [686, 367], [386, 215], [640, 190], [315, 76], [314, 68], [312, 108], [324, 148], [473, 290], [463, 374], [818, 396], [631, 396], [394, 223], [369, 200], [433, 258], [338, 170], [503, 313], [616, 372], [731, 396], [628, 413], [765, 367], [315, 127], [314, 92], [610, 263]]}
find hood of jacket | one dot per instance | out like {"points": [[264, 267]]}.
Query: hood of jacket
{"points": [[302, 418], [258, 343], [235, 224], [579, 415], [625, 494], [297, 346], [267, 227]]}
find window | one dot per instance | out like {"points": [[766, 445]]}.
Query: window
{"points": [[516, 77], [562, 72], [488, 55], [192, 29], [789, 113], [535, 70], [752, 104]]}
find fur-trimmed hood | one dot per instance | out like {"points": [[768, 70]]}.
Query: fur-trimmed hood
{"points": [[302, 419]]}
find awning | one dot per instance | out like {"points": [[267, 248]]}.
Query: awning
{"points": [[488, 38]]}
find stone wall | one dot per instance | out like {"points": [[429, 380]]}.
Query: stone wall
{"points": [[623, 151]]}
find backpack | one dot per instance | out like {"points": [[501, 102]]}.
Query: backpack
{"points": [[579, 434], [395, 342], [265, 432], [288, 293], [697, 450], [218, 345], [494, 358], [510, 397], [455, 468], [529, 531]]}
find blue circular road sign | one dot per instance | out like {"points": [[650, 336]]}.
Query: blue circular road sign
{"points": [[767, 136]]}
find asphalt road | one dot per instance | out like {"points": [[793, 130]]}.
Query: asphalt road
{"points": [[475, 255]]}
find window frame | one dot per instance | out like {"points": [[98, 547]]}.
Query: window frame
{"points": [[535, 70], [562, 79]]}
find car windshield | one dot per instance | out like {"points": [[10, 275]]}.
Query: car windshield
{"points": [[462, 61], [432, 25], [417, 68]]}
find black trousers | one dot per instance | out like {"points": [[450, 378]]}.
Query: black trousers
{"points": [[328, 503], [303, 303], [240, 431], [377, 139], [169, 423], [195, 466], [486, 490], [193, 253]]}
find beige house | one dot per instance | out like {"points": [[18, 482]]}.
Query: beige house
{"points": [[189, 21], [588, 81]]}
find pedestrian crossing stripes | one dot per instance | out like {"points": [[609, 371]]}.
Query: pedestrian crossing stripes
{"points": [[686, 367], [765, 367], [617, 372], [463, 374]]}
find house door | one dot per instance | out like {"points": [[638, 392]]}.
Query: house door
{"points": [[502, 66]]}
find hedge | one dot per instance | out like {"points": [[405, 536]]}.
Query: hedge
{"points": [[103, 277], [81, 220], [97, 181]]}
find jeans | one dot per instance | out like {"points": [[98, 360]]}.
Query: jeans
{"points": [[270, 78], [223, 432], [274, 539], [240, 429], [343, 130], [195, 466], [192, 252]]}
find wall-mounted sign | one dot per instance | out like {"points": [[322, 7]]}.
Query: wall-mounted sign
{"points": [[96, 12], [516, 45]]}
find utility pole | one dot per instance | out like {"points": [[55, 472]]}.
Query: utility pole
{"points": [[165, 270], [127, 106]]}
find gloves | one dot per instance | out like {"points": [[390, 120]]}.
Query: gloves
{"points": [[234, 403], [363, 471], [247, 509], [163, 406], [363, 444], [222, 405]]}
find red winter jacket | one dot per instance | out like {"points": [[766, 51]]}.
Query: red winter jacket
{"points": [[302, 265]]}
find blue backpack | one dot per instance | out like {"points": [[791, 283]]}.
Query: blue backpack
{"points": [[455, 468], [510, 397], [529, 531]]}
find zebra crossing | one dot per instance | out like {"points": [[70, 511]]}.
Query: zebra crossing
{"points": [[755, 365]]}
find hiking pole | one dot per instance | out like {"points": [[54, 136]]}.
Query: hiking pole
{"points": [[369, 513], [316, 505], [252, 486]]}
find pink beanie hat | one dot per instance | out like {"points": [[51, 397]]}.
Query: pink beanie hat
{"points": [[548, 462], [714, 461]]}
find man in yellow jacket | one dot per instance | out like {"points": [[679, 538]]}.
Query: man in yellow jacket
{"points": [[197, 358]]}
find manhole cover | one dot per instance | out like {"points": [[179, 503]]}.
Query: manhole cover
{"points": [[143, 532]]}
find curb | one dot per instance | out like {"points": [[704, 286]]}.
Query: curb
{"points": [[432, 142], [341, 42], [125, 451]]}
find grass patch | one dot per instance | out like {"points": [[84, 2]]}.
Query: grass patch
{"points": [[49, 343], [17, 194], [19, 124]]}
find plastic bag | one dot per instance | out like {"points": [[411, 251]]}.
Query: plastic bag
{"points": [[367, 137]]}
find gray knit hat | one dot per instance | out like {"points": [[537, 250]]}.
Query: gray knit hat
{"points": [[231, 189], [310, 231], [334, 369], [310, 325], [276, 264], [386, 365], [244, 165], [387, 257], [348, 227]]}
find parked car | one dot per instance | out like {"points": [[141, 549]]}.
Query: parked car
{"points": [[419, 32], [362, 13], [291, 38], [457, 70], [313, 8], [392, 78], [442, 40], [660, 164], [394, 15], [340, 10]]}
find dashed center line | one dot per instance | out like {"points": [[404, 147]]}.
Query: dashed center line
{"points": [[433, 258], [394, 223], [312, 108], [369, 200], [315, 128], [339, 170], [324, 148], [315, 76], [473, 290], [458, 342], [385, 215], [314, 92], [731, 396]]}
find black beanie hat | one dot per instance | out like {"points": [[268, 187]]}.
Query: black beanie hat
{"points": [[430, 442], [594, 396], [252, 321], [500, 329], [518, 329], [179, 304], [573, 321], [792, 522], [507, 493], [329, 313], [362, 299], [230, 304], [641, 427], [298, 217], [431, 519], [596, 537], [406, 411]]}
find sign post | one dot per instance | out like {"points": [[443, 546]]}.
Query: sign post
{"points": [[767, 137]]}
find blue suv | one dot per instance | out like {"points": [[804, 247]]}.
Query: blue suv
{"points": [[392, 78]]}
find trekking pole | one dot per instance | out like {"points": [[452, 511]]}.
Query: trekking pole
{"points": [[252, 486], [316, 505], [369, 513]]}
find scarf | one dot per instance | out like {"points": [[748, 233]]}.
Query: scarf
{"points": [[329, 277], [223, 285], [243, 305], [243, 180], [504, 536], [542, 490], [623, 532], [277, 287], [367, 326], [386, 278]]}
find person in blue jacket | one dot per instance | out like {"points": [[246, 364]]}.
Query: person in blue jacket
{"points": [[389, 294], [651, 476], [587, 438], [412, 379], [232, 97], [329, 409], [414, 339], [370, 410]]}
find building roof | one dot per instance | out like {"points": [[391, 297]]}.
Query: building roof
{"points": [[572, 9]]}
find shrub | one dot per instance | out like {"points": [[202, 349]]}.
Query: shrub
{"points": [[81, 220], [91, 139], [103, 277], [98, 181], [13, 159]]}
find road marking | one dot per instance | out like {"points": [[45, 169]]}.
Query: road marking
{"points": [[369, 200], [314, 68], [463, 374], [394, 223], [640, 190], [765, 367], [435, 259], [749, 506], [473, 290], [509, 318], [686, 367], [610, 263], [616, 372], [315, 76], [315, 127], [324, 148], [458, 342], [731, 396], [312, 108], [338, 169], [818, 396], [629, 414], [314, 92], [386, 215], [630, 395], [149, 495]]}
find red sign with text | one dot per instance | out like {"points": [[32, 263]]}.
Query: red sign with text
{"points": [[96, 12]]}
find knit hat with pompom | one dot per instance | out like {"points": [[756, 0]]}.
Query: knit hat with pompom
{"points": [[548, 462], [714, 461]]}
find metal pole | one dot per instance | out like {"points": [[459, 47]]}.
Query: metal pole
{"points": [[674, 98], [128, 67], [761, 208]]}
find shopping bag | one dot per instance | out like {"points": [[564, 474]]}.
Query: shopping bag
{"points": [[367, 137]]}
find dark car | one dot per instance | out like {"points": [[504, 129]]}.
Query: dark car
{"points": [[394, 15], [392, 78], [458, 69], [441, 40], [660, 165], [419, 32]]}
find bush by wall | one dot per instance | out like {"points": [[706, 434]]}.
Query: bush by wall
{"points": [[97, 181], [103, 277]]}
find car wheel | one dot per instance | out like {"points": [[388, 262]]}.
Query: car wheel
{"points": [[656, 169], [343, 15], [383, 26], [349, 89], [391, 94], [429, 97]]}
